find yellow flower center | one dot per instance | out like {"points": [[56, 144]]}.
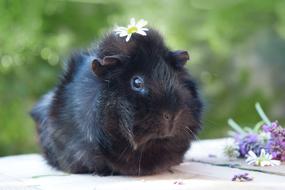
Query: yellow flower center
{"points": [[132, 29]]}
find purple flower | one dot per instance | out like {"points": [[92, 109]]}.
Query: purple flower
{"points": [[268, 128], [242, 177], [276, 144], [249, 142]]}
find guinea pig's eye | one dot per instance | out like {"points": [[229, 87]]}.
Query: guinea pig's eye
{"points": [[137, 83]]}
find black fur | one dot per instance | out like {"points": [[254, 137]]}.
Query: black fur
{"points": [[98, 124]]}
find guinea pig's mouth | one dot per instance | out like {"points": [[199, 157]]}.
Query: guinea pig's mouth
{"points": [[165, 135], [168, 125], [165, 128], [151, 138], [166, 132]]}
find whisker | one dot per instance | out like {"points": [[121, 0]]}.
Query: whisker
{"points": [[190, 132], [140, 159]]}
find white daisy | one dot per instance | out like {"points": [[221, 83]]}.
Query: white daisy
{"points": [[133, 27], [264, 159]]}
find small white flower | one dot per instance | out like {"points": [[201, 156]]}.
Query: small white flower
{"points": [[231, 150], [264, 159], [133, 27]]}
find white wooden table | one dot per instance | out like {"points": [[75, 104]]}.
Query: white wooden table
{"points": [[204, 167]]}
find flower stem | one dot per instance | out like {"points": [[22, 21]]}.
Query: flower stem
{"points": [[262, 114], [235, 126]]}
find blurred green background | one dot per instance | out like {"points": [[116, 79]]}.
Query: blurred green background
{"points": [[237, 49]]}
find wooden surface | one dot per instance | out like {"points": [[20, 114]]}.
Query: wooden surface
{"points": [[204, 167]]}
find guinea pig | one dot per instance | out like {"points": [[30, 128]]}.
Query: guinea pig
{"points": [[120, 108]]}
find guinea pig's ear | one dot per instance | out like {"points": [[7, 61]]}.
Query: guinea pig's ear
{"points": [[101, 66], [180, 57]]}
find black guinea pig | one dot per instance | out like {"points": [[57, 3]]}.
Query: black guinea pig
{"points": [[125, 108]]}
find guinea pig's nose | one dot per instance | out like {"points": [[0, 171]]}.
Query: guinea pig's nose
{"points": [[168, 124], [166, 116]]}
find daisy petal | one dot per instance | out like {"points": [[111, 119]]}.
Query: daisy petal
{"points": [[133, 21], [119, 29], [144, 29], [128, 37], [122, 34], [122, 28], [141, 32], [141, 23], [262, 153], [252, 162], [252, 154]]}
